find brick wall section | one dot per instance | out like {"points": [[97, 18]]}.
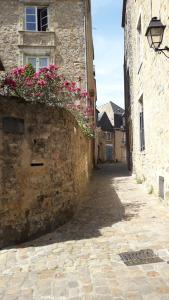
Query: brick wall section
{"points": [[43, 170], [149, 79]]}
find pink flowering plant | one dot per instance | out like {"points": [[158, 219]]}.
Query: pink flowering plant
{"points": [[49, 86], [84, 116]]}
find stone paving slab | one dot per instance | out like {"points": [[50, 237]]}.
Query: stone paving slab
{"points": [[80, 260]]}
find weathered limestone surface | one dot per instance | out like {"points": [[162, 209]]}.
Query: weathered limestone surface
{"points": [[68, 42], [120, 147], [45, 164], [148, 78]]}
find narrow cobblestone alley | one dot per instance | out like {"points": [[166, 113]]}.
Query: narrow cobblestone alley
{"points": [[80, 260]]}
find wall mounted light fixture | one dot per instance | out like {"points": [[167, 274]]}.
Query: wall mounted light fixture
{"points": [[155, 33]]}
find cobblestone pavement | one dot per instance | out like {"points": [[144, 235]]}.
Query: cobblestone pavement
{"points": [[80, 260]]}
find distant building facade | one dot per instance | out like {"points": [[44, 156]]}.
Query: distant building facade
{"points": [[146, 95], [111, 134]]}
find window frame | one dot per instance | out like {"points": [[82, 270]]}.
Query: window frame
{"points": [[35, 7], [139, 42], [36, 17], [37, 60], [41, 18], [141, 125], [108, 136]]}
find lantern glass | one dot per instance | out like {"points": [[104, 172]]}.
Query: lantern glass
{"points": [[149, 37], [157, 37], [155, 33]]}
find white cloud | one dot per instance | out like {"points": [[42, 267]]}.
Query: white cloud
{"points": [[110, 92]]}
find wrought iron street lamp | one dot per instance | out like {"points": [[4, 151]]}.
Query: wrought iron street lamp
{"points": [[155, 33]]}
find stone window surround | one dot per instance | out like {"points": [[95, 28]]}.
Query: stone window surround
{"points": [[30, 42], [34, 3], [37, 39], [139, 42], [37, 60], [108, 135], [36, 21], [141, 130], [38, 51]]}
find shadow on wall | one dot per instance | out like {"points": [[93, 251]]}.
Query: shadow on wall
{"points": [[101, 207]]}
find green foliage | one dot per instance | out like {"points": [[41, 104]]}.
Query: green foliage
{"points": [[85, 128], [139, 180], [29, 71], [150, 190]]}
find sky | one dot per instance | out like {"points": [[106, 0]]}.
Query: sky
{"points": [[108, 45]]}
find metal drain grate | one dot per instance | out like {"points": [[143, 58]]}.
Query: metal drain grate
{"points": [[141, 257]]}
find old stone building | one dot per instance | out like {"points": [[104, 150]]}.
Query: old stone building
{"points": [[49, 32], [146, 92], [111, 133]]}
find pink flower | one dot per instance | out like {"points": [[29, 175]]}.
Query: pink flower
{"points": [[67, 83], [41, 82], [36, 75], [51, 76], [10, 82], [43, 70], [29, 82], [53, 67], [73, 90], [48, 76], [84, 94], [18, 71]]}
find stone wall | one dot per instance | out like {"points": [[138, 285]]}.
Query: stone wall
{"points": [[120, 146], [149, 81], [67, 43], [45, 165], [102, 145]]}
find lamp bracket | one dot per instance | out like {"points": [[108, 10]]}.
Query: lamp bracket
{"points": [[162, 49]]}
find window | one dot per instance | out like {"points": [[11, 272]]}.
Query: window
{"points": [[142, 138], [124, 139], [161, 187], [139, 43], [36, 18], [38, 62], [108, 136], [13, 125]]}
